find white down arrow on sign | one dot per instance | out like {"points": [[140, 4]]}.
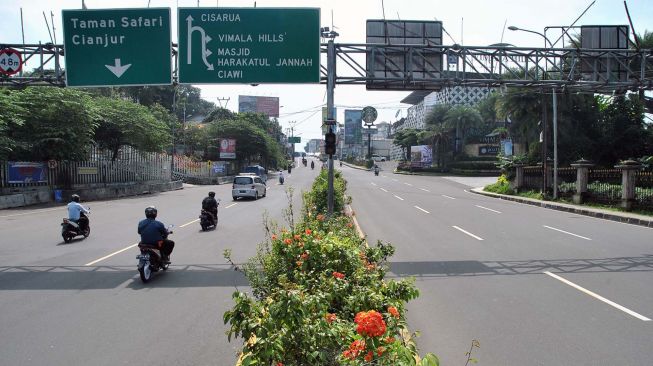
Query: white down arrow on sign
{"points": [[118, 69]]}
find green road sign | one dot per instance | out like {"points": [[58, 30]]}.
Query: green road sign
{"points": [[249, 45], [117, 47], [295, 140]]}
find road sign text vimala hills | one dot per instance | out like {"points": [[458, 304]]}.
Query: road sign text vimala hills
{"points": [[249, 45]]}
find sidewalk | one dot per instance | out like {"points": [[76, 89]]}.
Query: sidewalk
{"points": [[624, 217]]}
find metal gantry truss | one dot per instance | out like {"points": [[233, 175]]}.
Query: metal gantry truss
{"points": [[412, 67], [591, 70]]}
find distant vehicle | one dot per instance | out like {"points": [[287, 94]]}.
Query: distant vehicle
{"points": [[378, 158], [257, 170], [248, 185]]}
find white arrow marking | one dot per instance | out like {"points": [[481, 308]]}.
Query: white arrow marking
{"points": [[118, 69]]}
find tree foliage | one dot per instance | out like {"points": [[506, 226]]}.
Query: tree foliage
{"points": [[122, 122], [11, 118], [57, 124]]}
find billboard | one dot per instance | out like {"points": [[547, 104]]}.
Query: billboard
{"points": [[392, 65], [353, 124], [421, 156], [266, 105], [26, 172], [227, 148]]}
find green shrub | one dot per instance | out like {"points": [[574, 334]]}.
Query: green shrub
{"points": [[502, 186], [316, 199], [321, 297]]}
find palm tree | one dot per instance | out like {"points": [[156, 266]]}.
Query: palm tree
{"points": [[438, 137], [523, 107], [406, 138], [462, 118]]}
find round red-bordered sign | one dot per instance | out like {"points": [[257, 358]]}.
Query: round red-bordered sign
{"points": [[11, 61]]}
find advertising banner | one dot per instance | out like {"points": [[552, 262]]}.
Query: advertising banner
{"points": [[27, 172], [266, 105], [421, 156], [353, 124], [227, 148], [218, 167]]}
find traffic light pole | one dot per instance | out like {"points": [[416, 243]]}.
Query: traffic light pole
{"points": [[331, 84]]}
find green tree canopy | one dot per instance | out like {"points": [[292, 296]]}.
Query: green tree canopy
{"points": [[58, 124], [121, 122], [405, 139], [11, 118]]}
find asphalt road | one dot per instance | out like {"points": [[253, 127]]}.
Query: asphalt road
{"points": [[83, 303], [533, 286]]}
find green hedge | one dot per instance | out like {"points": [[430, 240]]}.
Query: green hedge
{"points": [[321, 297]]}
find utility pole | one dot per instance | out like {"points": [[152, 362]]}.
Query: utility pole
{"points": [[331, 84], [545, 141]]}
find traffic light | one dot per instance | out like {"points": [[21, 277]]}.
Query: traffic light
{"points": [[330, 143]]}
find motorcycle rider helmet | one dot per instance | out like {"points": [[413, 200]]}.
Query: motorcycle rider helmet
{"points": [[150, 212], [75, 198], [211, 194]]}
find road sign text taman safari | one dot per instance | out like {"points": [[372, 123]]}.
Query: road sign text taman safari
{"points": [[117, 47]]}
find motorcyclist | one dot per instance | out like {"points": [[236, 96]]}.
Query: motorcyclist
{"points": [[376, 169], [289, 168], [312, 164], [154, 233], [76, 212], [211, 205], [281, 178]]}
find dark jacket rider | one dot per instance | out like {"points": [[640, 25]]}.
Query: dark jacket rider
{"points": [[154, 233], [210, 204]]}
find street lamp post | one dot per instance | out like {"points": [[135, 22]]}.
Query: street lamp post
{"points": [[555, 123]]}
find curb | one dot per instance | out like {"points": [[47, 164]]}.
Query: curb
{"points": [[596, 213]]}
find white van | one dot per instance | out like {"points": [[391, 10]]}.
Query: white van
{"points": [[378, 158]]}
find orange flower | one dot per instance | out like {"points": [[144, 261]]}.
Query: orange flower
{"points": [[300, 244], [308, 231], [370, 266], [299, 263], [287, 241], [350, 225], [355, 348], [297, 237], [393, 311], [338, 275], [370, 323], [330, 318], [369, 356], [304, 256], [279, 364], [320, 217], [274, 237], [389, 340], [380, 350]]}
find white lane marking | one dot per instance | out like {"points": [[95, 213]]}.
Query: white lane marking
{"points": [[425, 190], [188, 223], [449, 197], [489, 209], [384, 176], [384, 190], [599, 297], [467, 232], [62, 209], [374, 184], [395, 180], [232, 205], [397, 197], [566, 232], [408, 184], [110, 255], [421, 209]]}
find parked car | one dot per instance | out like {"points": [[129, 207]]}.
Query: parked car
{"points": [[248, 185], [377, 158]]}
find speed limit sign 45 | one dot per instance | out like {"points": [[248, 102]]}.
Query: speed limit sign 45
{"points": [[11, 61]]}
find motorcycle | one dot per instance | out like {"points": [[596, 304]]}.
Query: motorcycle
{"points": [[281, 179], [207, 220], [376, 171], [151, 260], [71, 229]]}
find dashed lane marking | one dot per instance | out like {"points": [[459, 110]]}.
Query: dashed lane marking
{"points": [[467, 232]]}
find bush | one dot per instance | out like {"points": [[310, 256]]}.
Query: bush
{"points": [[502, 186], [321, 298], [316, 199]]}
